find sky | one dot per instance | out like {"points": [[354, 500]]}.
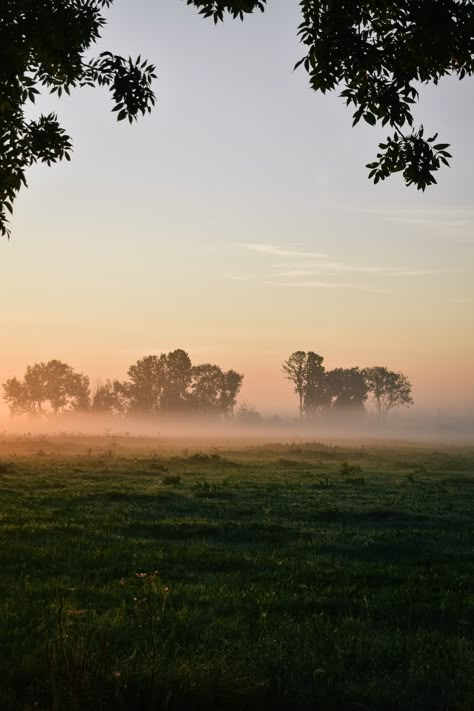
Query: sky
{"points": [[236, 222]]}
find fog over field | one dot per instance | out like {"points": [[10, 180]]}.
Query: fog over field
{"points": [[404, 426]]}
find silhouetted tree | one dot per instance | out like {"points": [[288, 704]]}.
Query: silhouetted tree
{"points": [[389, 389], [307, 373], [79, 392], [214, 391], [316, 396], [177, 377], [159, 383], [65, 388], [169, 383], [146, 385], [54, 382], [18, 398], [110, 397], [376, 52], [294, 370], [206, 388], [348, 389], [35, 388], [231, 385]]}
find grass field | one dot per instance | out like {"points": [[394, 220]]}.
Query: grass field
{"points": [[142, 574]]}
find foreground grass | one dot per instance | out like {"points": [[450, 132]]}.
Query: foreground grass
{"points": [[285, 576]]}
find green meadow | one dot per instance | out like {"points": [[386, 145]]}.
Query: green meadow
{"points": [[151, 574]]}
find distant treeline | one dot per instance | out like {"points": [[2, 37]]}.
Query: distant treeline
{"points": [[171, 384], [344, 390], [167, 383]]}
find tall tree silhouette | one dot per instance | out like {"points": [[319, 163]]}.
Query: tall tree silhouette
{"points": [[307, 373]]}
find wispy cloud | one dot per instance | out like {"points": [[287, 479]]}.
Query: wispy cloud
{"points": [[238, 277], [305, 267], [316, 284], [328, 267], [446, 217], [276, 251]]}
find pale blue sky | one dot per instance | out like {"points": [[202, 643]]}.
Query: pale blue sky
{"points": [[237, 222]]}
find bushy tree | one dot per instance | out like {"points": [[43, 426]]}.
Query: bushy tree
{"points": [[169, 383], [160, 383], [376, 52], [17, 397], [213, 390], [176, 380], [145, 386], [206, 388], [348, 389], [64, 387], [53, 382], [389, 389], [110, 397]]}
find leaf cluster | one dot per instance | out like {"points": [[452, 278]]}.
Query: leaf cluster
{"points": [[379, 51], [236, 8], [44, 48], [412, 155]]}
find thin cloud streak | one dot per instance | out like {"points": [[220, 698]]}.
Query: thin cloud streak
{"points": [[311, 264], [326, 285], [448, 217], [328, 267], [275, 251], [238, 277]]}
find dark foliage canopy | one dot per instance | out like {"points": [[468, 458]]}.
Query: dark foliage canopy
{"points": [[375, 52]]}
